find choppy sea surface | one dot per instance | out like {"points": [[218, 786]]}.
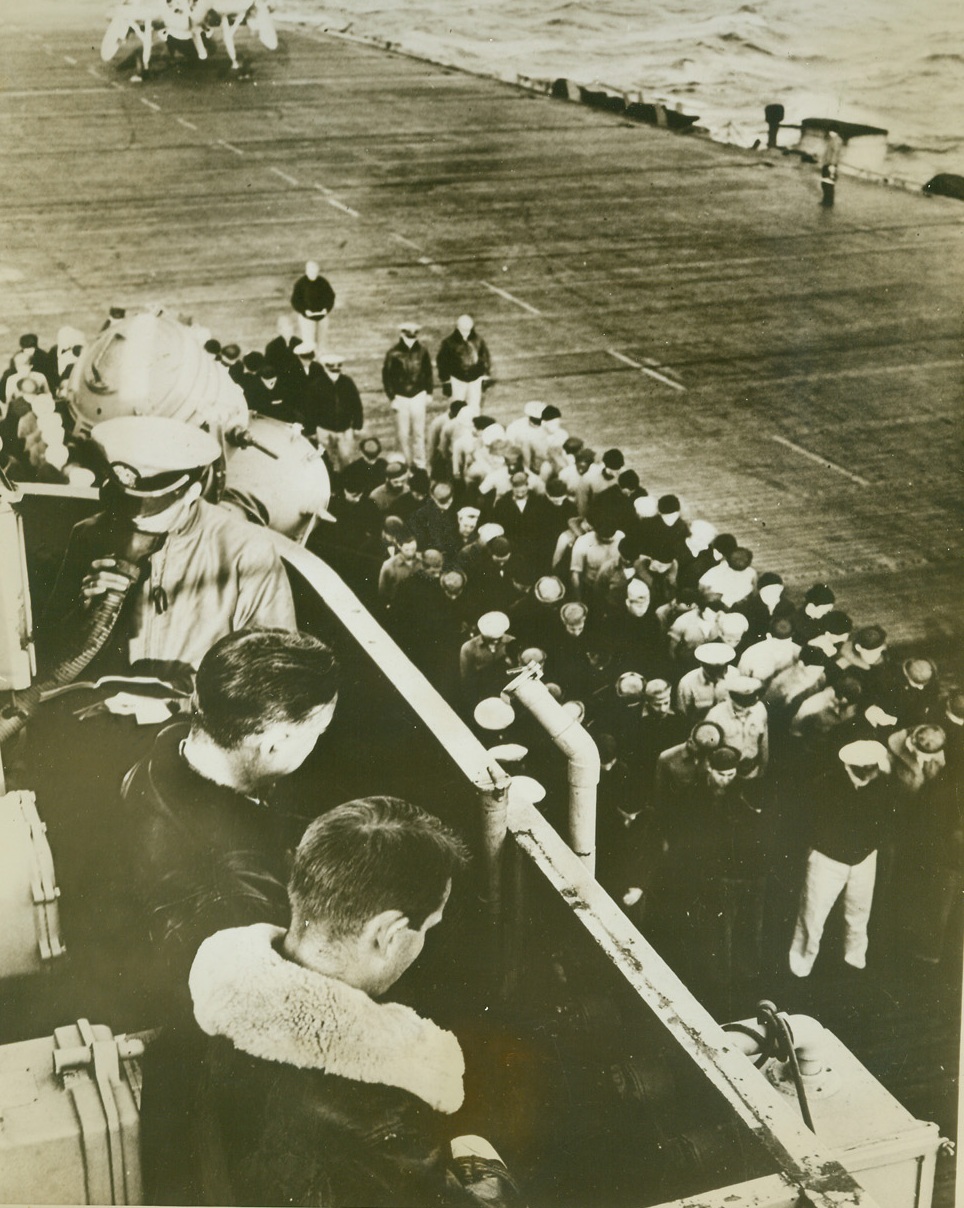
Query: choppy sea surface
{"points": [[898, 64]]}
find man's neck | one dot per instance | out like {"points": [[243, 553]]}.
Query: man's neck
{"points": [[213, 763], [333, 960]]}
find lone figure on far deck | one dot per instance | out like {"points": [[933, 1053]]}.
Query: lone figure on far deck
{"points": [[313, 300]]}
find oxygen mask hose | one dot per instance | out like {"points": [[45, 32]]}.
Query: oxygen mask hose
{"points": [[98, 626]]}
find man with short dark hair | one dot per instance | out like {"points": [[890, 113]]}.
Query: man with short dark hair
{"points": [[394, 497], [334, 416], [435, 525], [598, 477], [530, 525], [209, 850], [370, 465], [313, 1092], [267, 394]]}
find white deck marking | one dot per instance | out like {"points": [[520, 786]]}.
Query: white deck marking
{"points": [[653, 373], [284, 176], [94, 72], [820, 461], [182, 121], [407, 242], [71, 60], [333, 200], [340, 205], [150, 104], [228, 146], [511, 298], [430, 264]]}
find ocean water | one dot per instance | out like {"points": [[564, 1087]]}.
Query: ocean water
{"points": [[898, 64]]}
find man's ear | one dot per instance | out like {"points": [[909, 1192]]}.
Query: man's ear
{"points": [[382, 930], [267, 740]]}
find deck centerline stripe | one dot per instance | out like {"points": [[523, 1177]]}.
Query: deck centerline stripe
{"points": [[220, 142], [150, 104], [503, 293], [182, 121], [820, 461]]}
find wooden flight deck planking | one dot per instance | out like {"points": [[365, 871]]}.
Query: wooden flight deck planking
{"points": [[793, 374]]}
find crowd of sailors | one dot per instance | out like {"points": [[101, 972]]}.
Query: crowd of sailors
{"points": [[750, 735], [763, 754]]}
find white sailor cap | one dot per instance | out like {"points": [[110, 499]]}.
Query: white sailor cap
{"points": [[732, 626], [534, 410], [865, 753], [645, 506], [524, 790], [331, 358], [493, 624], [150, 455], [714, 654], [509, 752], [304, 349], [492, 433], [67, 338], [549, 589], [493, 713], [744, 685], [488, 532], [630, 685]]}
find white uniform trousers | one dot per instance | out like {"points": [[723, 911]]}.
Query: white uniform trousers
{"points": [[313, 332], [410, 422], [825, 881], [468, 392]]}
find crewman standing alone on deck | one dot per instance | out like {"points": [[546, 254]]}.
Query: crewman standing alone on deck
{"points": [[313, 300]]}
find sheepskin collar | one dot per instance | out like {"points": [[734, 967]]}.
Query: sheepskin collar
{"points": [[269, 1007]]}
